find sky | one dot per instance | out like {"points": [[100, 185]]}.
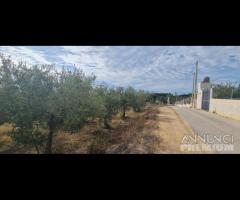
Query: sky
{"points": [[152, 68]]}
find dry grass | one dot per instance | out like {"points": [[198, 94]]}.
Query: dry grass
{"points": [[5, 139], [64, 142], [127, 136], [155, 130], [134, 134], [5, 128]]}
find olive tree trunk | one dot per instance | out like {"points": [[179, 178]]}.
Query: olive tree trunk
{"points": [[51, 126]]}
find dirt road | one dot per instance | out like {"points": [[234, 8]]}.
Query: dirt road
{"points": [[171, 129]]}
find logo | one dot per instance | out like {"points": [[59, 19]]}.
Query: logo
{"points": [[207, 143]]}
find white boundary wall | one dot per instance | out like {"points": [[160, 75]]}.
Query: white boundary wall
{"points": [[225, 107], [199, 100], [184, 105]]}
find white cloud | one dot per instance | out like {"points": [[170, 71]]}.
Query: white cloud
{"points": [[25, 54], [158, 68]]}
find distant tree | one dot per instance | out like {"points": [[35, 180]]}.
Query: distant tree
{"points": [[130, 97], [120, 99], [236, 92], [125, 98], [226, 90], [140, 99]]}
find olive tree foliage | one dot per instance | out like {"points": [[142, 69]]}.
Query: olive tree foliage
{"points": [[72, 103], [24, 97], [109, 102], [124, 100], [7, 88], [115, 100], [140, 99], [131, 98], [39, 100], [74, 100]]}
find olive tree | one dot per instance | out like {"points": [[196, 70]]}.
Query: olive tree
{"points": [[131, 98], [38, 100], [140, 99], [72, 103], [110, 101], [24, 96], [74, 100]]}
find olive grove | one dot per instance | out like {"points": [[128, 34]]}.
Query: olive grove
{"points": [[39, 100]]}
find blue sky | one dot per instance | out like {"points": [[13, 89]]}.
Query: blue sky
{"points": [[153, 68]]}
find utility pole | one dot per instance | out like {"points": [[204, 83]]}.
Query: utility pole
{"points": [[232, 94], [175, 98], [193, 89], [196, 82]]}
